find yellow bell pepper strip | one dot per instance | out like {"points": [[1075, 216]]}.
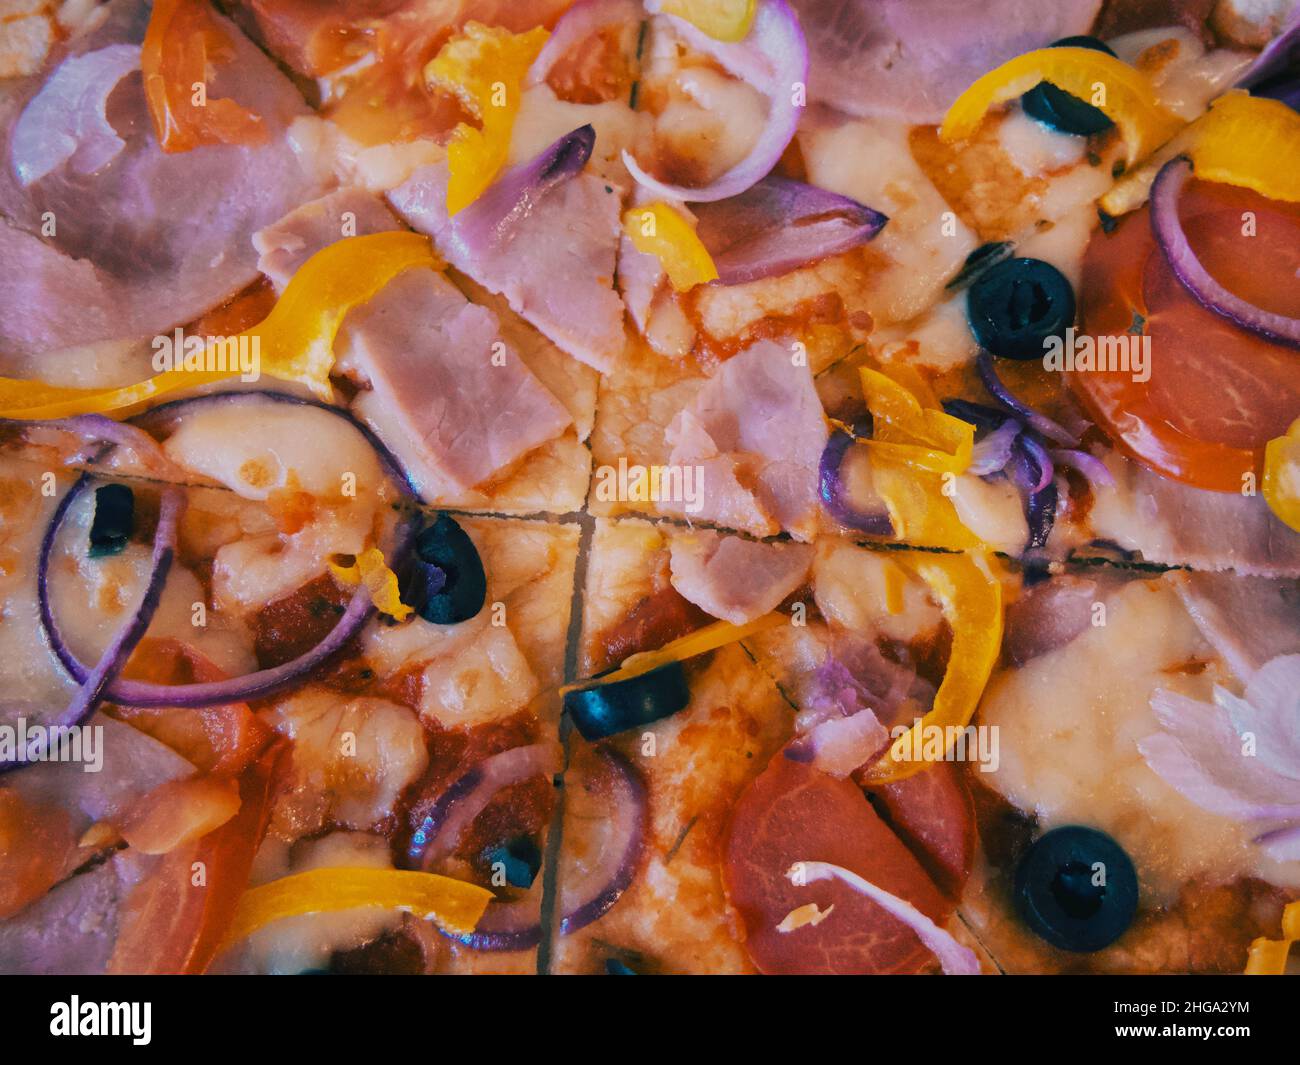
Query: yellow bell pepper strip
{"points": [[970, 595], [484, 68], [1268, 957], [455, 906], [915, 451], [1281, 485], [371, 569], [295, 342], [723, 20], [182, 40], [661, 230], [1244, 140], [1125, 95], [709, 638]]}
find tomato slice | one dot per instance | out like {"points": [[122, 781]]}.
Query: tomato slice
{"points": [[174, 921], [216, 739], [791, 813], [1216, 393]]}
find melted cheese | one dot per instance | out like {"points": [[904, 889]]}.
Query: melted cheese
{"points": [[1185, 77], [856, 587], [1069, 723]]}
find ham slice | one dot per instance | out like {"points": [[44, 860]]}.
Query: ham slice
{"points": [[910, 59], [1176, 524], [734, 579], [757, 431], [1248, 620], [285, 245], [454, 410], [107, 241], [555, 264]]}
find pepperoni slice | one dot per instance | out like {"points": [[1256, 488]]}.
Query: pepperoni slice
{"points": [[793, 813], [1216, 394], [934, 814]]}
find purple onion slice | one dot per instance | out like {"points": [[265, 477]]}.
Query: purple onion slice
{"points": [[1211, 295], [773, 58], [1035, 420], [834, 496]]}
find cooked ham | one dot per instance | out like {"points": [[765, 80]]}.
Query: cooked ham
{"points": [[911, 59], [1248, 620], [734, 579], [555, 264], [454, 401], [147, 240], [285, 245], [1176, 524], [757, 430]]}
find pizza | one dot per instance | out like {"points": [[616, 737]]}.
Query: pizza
{"points": [[649, 487]]}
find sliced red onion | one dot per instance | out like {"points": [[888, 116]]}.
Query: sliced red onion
{"points": [[604, 884], [98, 428], [1199, 754], [584, 19], [1041, 422], [1211, 295], [1270, 711], [773, 58], [1275, 73], [835, 497], [94, 685], [779, 225], [991, 454], [955, 959], [1042, 462], [66, 119], [469, 794], [1281, 844], [253, 685], [1087, 464], [839, 745], [516, 193]]}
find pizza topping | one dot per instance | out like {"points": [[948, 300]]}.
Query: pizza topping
{"points": [[773, 58], [1077, 889], [778, 225], [114, 520], [453, 905], [1236, 757], [181, 44], [1281, 485], [1205, 423], [446, 581], [295, 342], [1128, 99], [616, 706], [1061, 111], [369, 570], [1004, 397], [1018, 306], [448, 819], [1268, 957], [838, 745], [659, 229], [792, 813], [835, 495], [735, 579], [723, 20], [971, 598], [1273, 73], [1187, 267], [483, 67], [955, 959]]}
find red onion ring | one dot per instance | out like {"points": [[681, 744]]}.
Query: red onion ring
{"points": [[234, 689], [773, 58], [467, 796], [517, 925], [619, 863], [1211, 295], [991, 454], [582, 20], [830, 486], [1000, 392], [1276, 70], [1087, 464], [97, 680]]}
